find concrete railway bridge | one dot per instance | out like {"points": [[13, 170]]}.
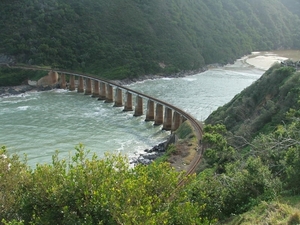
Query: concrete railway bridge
{"points": [[162, 113]]}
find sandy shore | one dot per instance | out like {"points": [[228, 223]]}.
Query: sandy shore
{"points": [[264, 60]]}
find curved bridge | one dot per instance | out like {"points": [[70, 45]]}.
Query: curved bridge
{"points": [[162, 113]]}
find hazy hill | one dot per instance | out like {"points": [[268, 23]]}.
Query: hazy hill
{"points": [[292, 5], [128, 38]]}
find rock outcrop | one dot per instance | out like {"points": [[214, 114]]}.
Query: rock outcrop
{"points": [[49, 80]]}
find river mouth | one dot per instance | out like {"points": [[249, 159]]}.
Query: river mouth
{"points": [[264, 60]]}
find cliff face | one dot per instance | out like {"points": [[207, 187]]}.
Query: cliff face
{"points": [[118, 39]]}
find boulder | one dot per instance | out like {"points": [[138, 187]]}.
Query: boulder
{"points": [[12, 91]]}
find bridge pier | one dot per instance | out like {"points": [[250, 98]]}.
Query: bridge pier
{"points": [[158, 111], [150, 111], [109, 94], [159, 116], [95, 92], [102, 91], [128, 103], [63, 84], [167, 125], [138, 110], [118, 98], [88, 88], [177, 121], [72, 83], [80, 88]]}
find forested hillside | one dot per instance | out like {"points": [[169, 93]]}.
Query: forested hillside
{"points": [[292, 5], [119, 39], [260, 139]]}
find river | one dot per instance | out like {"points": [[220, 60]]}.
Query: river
{"points": [[38, 123]]}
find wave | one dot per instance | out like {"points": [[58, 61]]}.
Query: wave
{"points": [[23, 107]]}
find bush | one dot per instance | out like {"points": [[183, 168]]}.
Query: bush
{"points": [[84, 190], [243, 185]]}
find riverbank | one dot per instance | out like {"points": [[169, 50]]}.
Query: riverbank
{"points": [[264, 60], [259, 60], [142, 78], [23, 88]]}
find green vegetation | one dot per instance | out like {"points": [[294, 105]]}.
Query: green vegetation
{"points": [[12, 77], [260, 107], [236, 184], [185, 146], [258, 159], [118, 39], [185, 131], [269, 213], [292, 5], [252, 157], [84, 190]]}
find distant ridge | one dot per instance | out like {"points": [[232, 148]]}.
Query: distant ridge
{"points": [[119, 39]]}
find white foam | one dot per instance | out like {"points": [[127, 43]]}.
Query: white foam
{"points": [[189, 79], [23, 107], [60, 90], [167, 78]]}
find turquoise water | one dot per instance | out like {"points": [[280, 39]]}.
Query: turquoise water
{"points": [[38, 123]]}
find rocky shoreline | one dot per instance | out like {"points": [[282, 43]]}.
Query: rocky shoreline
{"points": [[128, 81], [150, 155], [22, 89], [6, 91], [155, 152]]}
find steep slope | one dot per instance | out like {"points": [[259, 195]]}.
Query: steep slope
{"points": [[118, 39], [255, 165], [262, 106], [292, 5]]}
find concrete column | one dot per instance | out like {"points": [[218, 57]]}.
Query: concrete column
{"points": [[109, 94], [118, 98], [102, 91], [95, 92], [167, 125], [88, 88], [63, 84], [159, 116], [138, 110], [177, 121], [150, 111], [80, 87], [128, 103], [72, 83]]}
